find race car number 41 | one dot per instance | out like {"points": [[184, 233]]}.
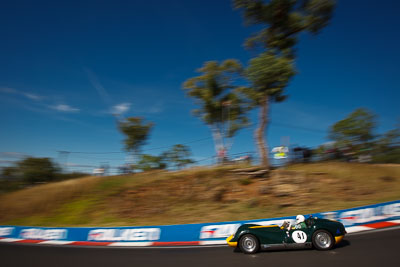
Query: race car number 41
{"points": [[299, 236]]}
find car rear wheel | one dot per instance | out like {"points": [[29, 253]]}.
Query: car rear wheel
{"points": [[323, 240], [249, 244]]}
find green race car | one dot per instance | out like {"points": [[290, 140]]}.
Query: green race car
{"points": [[312, 232]]}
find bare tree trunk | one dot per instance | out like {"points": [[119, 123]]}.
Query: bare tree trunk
{"points": [[218, 143], [260, 132], [134, 161]]}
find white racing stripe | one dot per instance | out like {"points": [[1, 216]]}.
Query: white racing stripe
{"points": [[217, 242], [376, 230], [56, 242], [131, 244], [355, 229]]}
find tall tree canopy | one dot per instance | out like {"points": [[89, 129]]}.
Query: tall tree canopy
{"points": [[270, 72], [388, 147], [35, 170], [150, 162], [356, 129], [269, 75], [391, 138], [284, 20], [179, 156], [220, 106], [136, 131]]}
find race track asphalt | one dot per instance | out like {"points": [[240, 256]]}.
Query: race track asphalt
{"points": [[375, 248]]}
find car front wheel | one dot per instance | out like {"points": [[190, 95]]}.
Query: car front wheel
{"points": [[323, 240], [249, 244]]}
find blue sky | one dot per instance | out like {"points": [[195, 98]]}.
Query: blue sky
{"points": [[66, 65]]}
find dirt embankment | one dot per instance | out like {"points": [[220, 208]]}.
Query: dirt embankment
{"points": [[201, 195]]}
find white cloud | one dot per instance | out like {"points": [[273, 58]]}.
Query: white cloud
{"points": [[65, 108], [98, 86], [32, 96], [121, 108], [39, 103]]}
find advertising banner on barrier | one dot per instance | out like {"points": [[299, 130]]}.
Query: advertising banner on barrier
{"points": [[208, 233]]}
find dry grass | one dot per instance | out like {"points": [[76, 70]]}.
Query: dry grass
{"points": [[44, 198], [200, 195]]}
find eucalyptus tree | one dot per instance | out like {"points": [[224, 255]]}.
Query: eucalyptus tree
{"points": [[269, 73], [220, 105], [178, 156], [283, 21], [36, 170], [356, 130], [150, 162], [136, 131]]}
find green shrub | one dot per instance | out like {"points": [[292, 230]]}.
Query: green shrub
{"points": [[245, 181]]}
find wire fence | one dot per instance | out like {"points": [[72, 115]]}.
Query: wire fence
{"points": [[115, 160], [93, 160]]}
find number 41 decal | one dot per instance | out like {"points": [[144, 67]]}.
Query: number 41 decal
{"points": [[299, 237]]}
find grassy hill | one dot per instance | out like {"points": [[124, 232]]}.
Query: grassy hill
{"points": [[200, 195]]}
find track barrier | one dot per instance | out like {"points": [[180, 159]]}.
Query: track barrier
{"points": [[355, 220]]}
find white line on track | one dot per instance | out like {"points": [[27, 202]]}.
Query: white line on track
{"points": [[55, 242], [357, 229], [375, 230], [130, 244]]}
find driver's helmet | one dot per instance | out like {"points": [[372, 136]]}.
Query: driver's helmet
{"points": [[300, 219]]}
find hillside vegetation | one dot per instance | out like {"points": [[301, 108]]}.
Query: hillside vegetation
{"points": [[200, 195]]}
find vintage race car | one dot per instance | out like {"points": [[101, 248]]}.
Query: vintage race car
{"points": [[319, 233]]}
